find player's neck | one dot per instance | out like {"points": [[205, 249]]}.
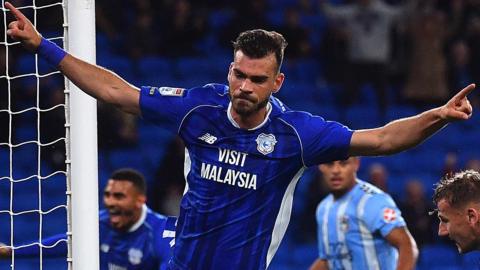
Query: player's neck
{"points": [[250, 121]]}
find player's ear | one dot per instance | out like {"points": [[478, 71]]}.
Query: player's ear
{"points": [[141, 200], [473, 216], [230, 68], [277, 84]]}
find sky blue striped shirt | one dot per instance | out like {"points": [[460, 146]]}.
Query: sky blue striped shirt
{"points": [[351, 229]]}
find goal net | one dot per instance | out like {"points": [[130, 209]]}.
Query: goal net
{"points": [[37, 188]]}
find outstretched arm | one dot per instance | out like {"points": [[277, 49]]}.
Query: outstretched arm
{"points": [[94, 80], [53, 246], [408, 132]]}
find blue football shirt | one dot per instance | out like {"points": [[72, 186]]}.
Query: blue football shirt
{"points": [[146, 246], [352, 229], [240, 183]]}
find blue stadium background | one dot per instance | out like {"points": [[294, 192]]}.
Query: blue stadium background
{"points": [[144, 43]]}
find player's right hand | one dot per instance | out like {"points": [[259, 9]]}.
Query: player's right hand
{"points": [[23, 30], [5, 252]]}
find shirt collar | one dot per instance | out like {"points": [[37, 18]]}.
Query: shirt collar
{"points": [[140, 221], [230, 117]]}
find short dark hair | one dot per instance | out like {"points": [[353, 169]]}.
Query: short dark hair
{"points": [[458, 189], [259, 43], [133, 176]]}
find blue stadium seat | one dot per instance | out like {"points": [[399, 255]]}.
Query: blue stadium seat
{"points": [[194, 71], [400, 111], [123, 66], [218, 19], [362, 117], [25, 133], [154, 66], [276, 17], [26, 64]]}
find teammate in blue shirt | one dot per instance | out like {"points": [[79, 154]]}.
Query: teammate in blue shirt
{"points": [[132, 237], [245, 150], [359, 225]]}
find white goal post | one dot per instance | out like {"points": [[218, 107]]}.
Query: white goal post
{"points": [[82, 157]]}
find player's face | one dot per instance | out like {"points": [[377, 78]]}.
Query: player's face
{"points": [[457, 225], [340, 176], [251, 83], [124, 203]]}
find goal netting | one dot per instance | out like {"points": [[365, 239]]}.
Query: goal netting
{"points": [[39, 195]]}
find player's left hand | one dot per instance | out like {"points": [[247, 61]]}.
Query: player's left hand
{"points": [[458, 107], [22, 29]]}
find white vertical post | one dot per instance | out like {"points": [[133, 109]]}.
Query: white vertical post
{"points": [[83, 120]]}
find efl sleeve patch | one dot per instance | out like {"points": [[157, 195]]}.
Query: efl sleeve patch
{"points": [[389, 215], [167, 91]]}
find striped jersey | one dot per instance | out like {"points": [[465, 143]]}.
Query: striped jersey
{"points": [[146, 246], [240, 182], [352, 229]]}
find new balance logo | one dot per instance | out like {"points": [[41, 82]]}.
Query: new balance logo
{"points": [[208, 138]]}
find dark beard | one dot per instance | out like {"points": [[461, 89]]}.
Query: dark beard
{"points": [[245, 113]]}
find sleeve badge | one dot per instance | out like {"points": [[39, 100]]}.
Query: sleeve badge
{"points": [[389, 215]]}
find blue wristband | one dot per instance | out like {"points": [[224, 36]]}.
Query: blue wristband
{"points": [[51, 52]]}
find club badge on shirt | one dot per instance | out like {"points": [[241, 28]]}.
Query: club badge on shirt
{"points": [[344, 223], [135, 256], [266, 143], [389, 215]]}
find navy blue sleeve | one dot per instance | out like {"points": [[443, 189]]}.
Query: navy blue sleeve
{"points": [[165, 241], [322, 141], [58, 249], [167, 106]]}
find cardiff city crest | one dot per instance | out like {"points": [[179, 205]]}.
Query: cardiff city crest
{"points": [[135, 256], [266, 143]]}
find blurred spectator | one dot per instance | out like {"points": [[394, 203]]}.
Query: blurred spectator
{"points": [[116, 129], [368, 25], [450, 164], [459, 65], [296, 35], [415, 209], [143, 37], [112, 22], [167, 190], [427, 79], [51, 129], [378, 176], [4, 98], [310, 190], [249, 14], [183, 28], [473, 164]]}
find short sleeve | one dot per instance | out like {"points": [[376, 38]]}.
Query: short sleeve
{"points": [[165, 241], [382, 214], [168, 106], [322, 141]]}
